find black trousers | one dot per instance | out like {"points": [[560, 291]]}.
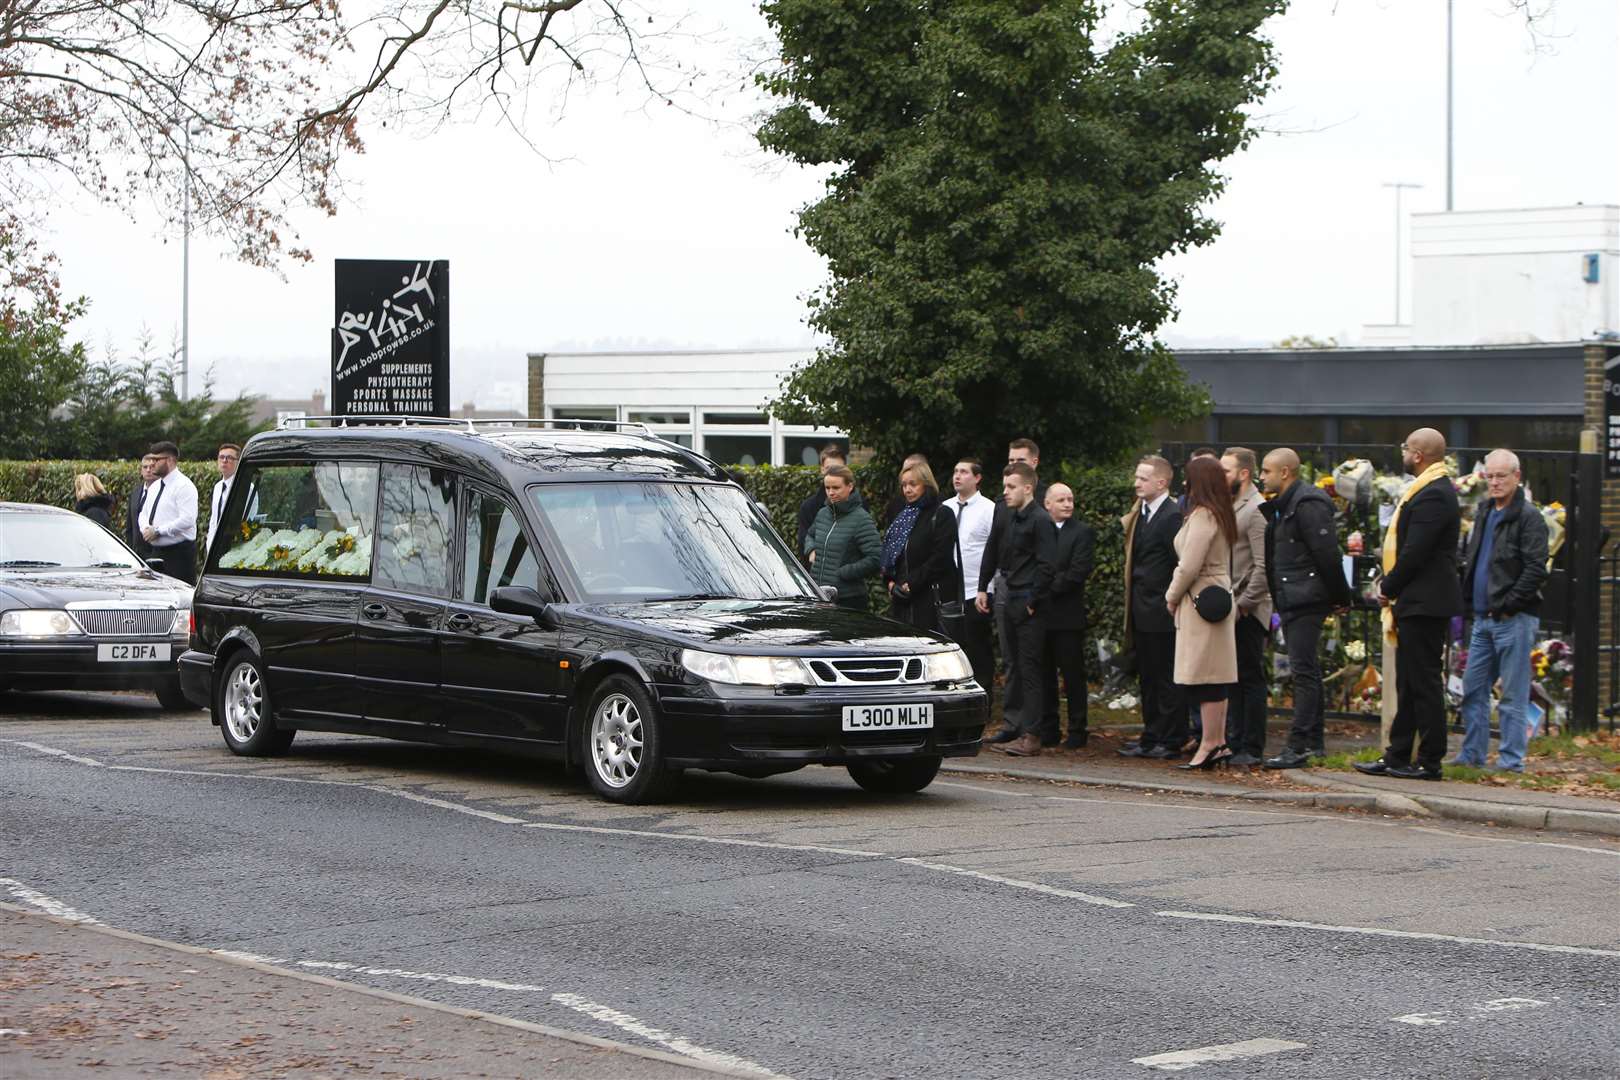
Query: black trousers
{"points": [[1164, 717], [1303, 635], [1027, 649], [1066, 652], [1420, 701], [179, 560], [974, 637], [1246, 705]]}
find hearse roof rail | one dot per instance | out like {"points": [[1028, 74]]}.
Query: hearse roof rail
{"points": [[468, 425]]}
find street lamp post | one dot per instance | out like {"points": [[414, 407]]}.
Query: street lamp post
{"points": [[1399, 186], [185, 267]]}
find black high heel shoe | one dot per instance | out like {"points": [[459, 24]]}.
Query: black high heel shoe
{"points": [[1217, 759]]}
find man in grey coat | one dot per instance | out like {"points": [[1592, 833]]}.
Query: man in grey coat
{"points": [[1246, 711]]}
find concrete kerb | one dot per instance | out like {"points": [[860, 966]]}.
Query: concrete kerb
{"points": [[694, 1064], [1338, 795]]}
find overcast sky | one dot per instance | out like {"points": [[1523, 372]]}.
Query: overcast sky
{"points": [[663, 231]]}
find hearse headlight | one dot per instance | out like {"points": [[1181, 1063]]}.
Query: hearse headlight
{"points": [[746, 670], [38, 624], [949, 666], [182, 623]]}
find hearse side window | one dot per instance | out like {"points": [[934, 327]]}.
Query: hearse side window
{"points": [[497, 553], [414, 525], [312, 520]]}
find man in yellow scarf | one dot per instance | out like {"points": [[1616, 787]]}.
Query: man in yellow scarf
{"points": [[1422, 593]]}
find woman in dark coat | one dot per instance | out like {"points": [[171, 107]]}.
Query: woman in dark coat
{"points": [[919, 552], [91, 499], [842, 544]]}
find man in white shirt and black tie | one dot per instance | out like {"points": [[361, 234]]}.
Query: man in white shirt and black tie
{"points": [[137, 501], [975, 515], [228, 456], [169, 518]]}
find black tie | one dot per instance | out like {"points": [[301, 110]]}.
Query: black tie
{"points": [[151, 519], [1147, 514], [219, 500]]}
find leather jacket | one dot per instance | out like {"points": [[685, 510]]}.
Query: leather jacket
{"points": [[1518, 559], [1303, 563]]}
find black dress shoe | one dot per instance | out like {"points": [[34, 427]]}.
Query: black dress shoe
{"points": [[1243, 760], [1005, 734], [1134, 750], [1412, 772], [1289, 759], [1050, 739], [1075, 741], [1162, 753], [1371, 768]]}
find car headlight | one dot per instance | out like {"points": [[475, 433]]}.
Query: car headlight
{"points": [[38, 624], [949, 666], [182, 623], [745, 670]]}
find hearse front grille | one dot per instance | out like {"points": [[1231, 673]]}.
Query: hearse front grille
{"points": [[125, 622], [868, 671]]}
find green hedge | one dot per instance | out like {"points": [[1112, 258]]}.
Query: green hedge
{"points": [[1101, 497], [51, 482]]}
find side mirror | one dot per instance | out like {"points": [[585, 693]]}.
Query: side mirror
{"points": [[155, 564], [519, 600], [828, 593]]}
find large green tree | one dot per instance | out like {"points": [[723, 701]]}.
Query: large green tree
{"points": [[1003, 189]]}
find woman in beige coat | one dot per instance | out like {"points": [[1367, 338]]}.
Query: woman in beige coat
{"points": [[1206, 652]]}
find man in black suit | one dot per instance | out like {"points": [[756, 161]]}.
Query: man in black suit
{"points": [[134, 504], [1064, 612], [1150, 562], [1422, 591]]}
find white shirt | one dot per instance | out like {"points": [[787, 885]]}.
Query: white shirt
{"points": [[216, 506], [973, 523], [1156, 505], [171, 509]]}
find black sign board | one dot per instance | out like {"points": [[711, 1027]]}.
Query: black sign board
{"points": [[1611, 413], [391, 338]]}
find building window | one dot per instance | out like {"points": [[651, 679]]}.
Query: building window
{"points": [[669, 417], [1528, 432], [738, 449], [757, 418], [1266, 432], [806, 449], [572, 412], [1388, 431]]}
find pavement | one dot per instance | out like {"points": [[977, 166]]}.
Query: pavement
{"points": [[1099, 765], [81, 999]]}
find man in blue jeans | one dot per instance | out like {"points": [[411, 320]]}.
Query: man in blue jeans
{"points": [[1502, 578]]}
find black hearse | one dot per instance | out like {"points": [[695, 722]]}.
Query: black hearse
{"points": [[593, 594]]}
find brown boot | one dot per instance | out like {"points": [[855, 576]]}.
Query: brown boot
{"points": [[1028, 745]]}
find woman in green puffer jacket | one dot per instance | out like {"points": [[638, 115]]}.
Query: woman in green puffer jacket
{"points": [[843, 545]]}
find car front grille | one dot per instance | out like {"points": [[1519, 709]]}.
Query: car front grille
{"points": [[125, 622], [874, 671]]}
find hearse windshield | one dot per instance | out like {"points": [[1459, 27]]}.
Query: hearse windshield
{"points": [[47, 541], [666, 541]]}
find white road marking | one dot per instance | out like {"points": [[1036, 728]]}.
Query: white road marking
{"points": [[699, 838], [54, 752], [14, 1031], [1032, 886], [1377, 931], [389, 973], [685, 1047], [1177, 1060], [1475, 1012], [1120, 802], [1511, 840], [48, 904], [444, 804]]}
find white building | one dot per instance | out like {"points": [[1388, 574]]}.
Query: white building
{"points": [[713, 401], [1511, 277]]}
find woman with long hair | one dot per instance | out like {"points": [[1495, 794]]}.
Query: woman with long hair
{"points": [[91, 499], [1200, 601], [919, 551]]}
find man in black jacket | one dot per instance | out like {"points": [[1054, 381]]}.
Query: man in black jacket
{"points": [[1150, 563], [1306, 573], [134, 504], [1421, 585], [1064, 613], [1023, 552], [832, 455], [1502, 578]]}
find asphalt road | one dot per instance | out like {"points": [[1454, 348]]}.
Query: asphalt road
{"points": [[805, 928]]}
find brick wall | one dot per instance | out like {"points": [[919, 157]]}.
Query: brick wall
{"points": [[1597, 423]]}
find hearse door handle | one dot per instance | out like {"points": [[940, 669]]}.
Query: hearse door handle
{"points": [[460, 620], [374, 611]]}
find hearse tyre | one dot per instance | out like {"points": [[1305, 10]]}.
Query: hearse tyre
{"points": [[899, 776], [623, 744], [242, 709]]}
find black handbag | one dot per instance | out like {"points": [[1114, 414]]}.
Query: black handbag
{"points": [[1213, 604]]}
